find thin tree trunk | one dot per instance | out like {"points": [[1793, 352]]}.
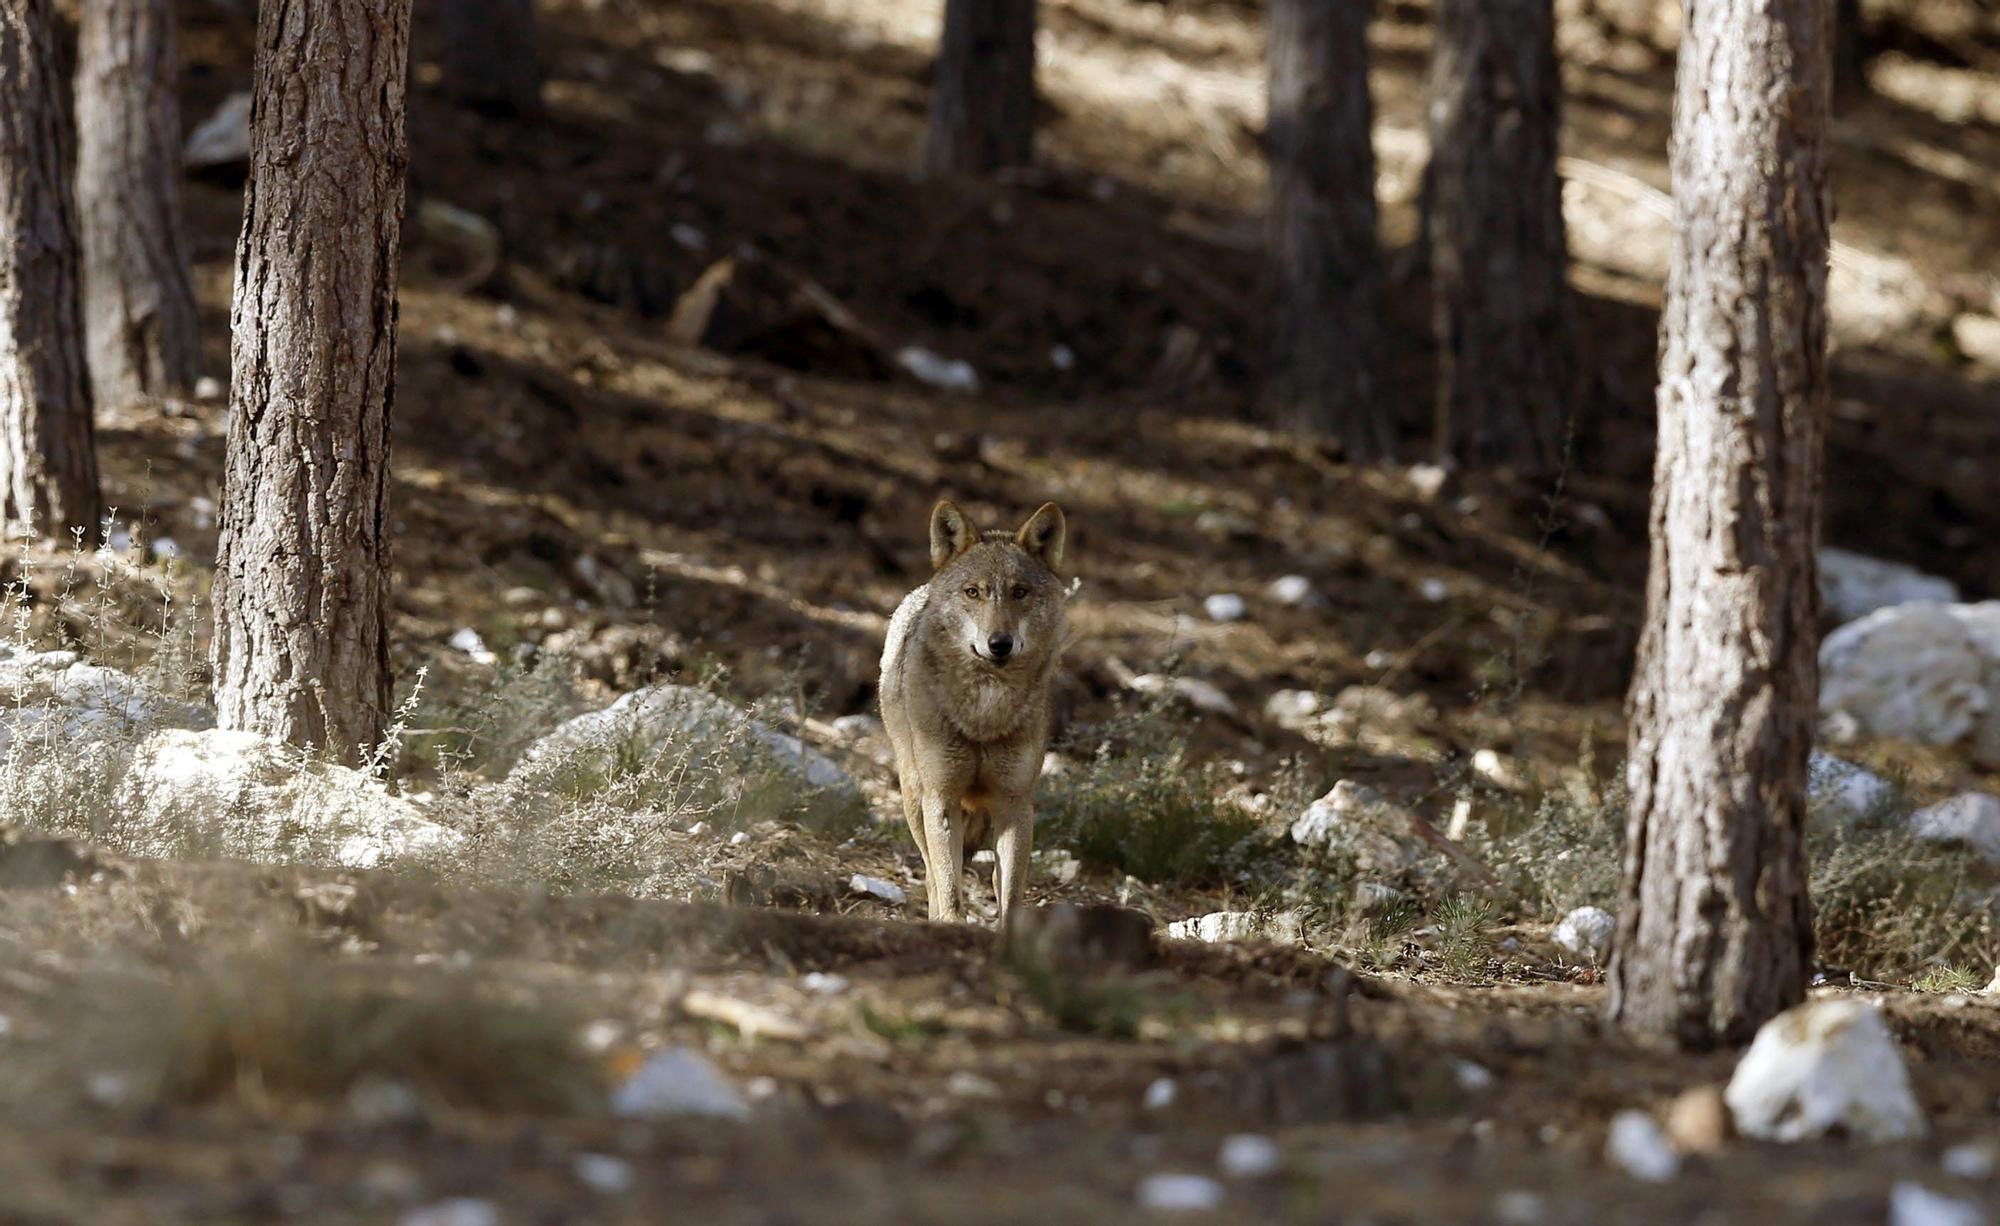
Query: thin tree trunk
{"points": [[983, 89], [139, 310], [48, 453], [1498, 246], [302, 569], [489, 55], [1323, 260], [1715, 928]]}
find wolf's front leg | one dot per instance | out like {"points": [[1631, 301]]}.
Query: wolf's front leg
{"points": [[1013, 839], [944, 862]]}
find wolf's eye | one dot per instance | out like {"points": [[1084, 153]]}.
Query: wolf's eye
{"points": [[972, 593], [1020, 591]]}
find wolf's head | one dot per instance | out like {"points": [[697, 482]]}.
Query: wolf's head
{"points": [[995, 594]]}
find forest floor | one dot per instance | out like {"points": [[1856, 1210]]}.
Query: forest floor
{"points": [[568, 476]]}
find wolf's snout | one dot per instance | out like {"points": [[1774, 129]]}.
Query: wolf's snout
{"points": [[1001, 645]]}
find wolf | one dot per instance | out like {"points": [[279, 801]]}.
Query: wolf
{"points": [[967, 671]]}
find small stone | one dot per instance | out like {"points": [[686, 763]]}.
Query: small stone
{"points": [[1288, 707], [1824, 1066], [1472, 1078], [1225, 607], [1974, 1160], [604, 1173], [967, 1084], [1380, 660], [945, 374], [856, 727], [467, 640], [1698, 1121], [1912, 1204], [1161, 1094], [1062, 357], [1520, 1207], [1972, 818], [1180, 1193], [377, 1101], [1283, 927], [1433, 590], [875, 887], [457, 1211], [1638, 1145], [1428, 480], [1199, 694], [819, 983], [208, 387], [1248, 1155], [740, 838], [1845, 793], [690, 237], [677, 1081], [1977, 337], [165, 548], [1295, 592], [1586, 932]]}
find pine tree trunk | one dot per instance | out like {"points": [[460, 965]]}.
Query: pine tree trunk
{"points": [[489, 55], [302, 570], [48, 453], [983, 91], [1323, 261], [1498, 247], [1715, 928], [138, 300]]}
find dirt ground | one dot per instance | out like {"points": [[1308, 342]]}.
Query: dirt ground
{"points": [[566, 476]]}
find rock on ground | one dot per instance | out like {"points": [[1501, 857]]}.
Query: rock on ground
{"points": [[1201, 695], [1586, 932], [1913, 1204], [56, 696], [1360, 818], [1181, 1193], [1843, 792], [647, 722], [1972, 818], [1826, 1065], [1852, 585], [1638, 1145], [1283, 927], [257, 797], [677, 1081], [1927, 673]]}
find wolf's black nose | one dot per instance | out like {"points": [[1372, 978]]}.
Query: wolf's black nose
{"points": [[1001, 645]]}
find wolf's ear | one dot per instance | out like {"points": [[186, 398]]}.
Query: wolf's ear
{"points": [[952, 533], [1043, 535]]}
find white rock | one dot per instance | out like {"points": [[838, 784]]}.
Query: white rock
{"points": [[947, 374], [1428, 480], [1472, 1078], [1062, 357], [677, 1081], [820, 983], [1638, 1144], [1359, 818], [258, 798], [604, 1173], [1282, 927], [690, 237], [1225, 607], [1975, 1160], [1822, 1066], [165, 548], [1161, 1094], [1845, 793], [1853, 586], [1296, 592], [1199, 694], [1972, 818], [856, 727], [1520, 1207], [457, 1211], [1977, 337], [208, 387], [1180, 1193], [224, 137], [967, 1084], [1494, 769], [54, 700], [1586, 932], [670, 719], [1912, 1204], [875, 887], [1248, 1155], [467, 640], [1433, 590], [1288, 707], [1928, 673], [740, 838]]}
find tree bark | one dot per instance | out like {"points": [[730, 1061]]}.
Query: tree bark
{"points": [[489, 55], [1715, 928], [1498, 246], [302, 570], [983, 89], [48, 453], [1323, 260], [139, 309]]}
